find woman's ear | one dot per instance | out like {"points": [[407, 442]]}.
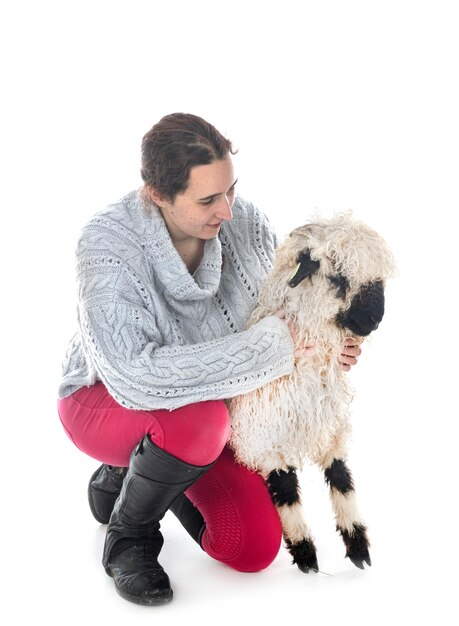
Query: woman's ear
{"points": [[155, 196]]}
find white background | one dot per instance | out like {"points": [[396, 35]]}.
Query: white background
{"points": [[332, 105]]}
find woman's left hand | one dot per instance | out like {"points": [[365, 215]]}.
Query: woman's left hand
{"points": [[351, 352]]}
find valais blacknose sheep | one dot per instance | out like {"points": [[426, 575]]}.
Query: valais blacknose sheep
{"points": [[329, 276]]}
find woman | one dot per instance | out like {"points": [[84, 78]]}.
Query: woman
{"points": [[168, 277]]}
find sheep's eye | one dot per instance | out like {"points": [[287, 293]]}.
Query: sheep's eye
{"points": [[341, 283]]}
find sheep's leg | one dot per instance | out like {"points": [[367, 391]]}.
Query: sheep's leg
{"points": [[284, 489], [348, 522]]}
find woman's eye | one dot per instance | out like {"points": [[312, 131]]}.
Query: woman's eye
{"points": [[230, 193]]}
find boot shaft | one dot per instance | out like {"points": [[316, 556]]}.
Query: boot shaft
{"points": [[153, 480]]}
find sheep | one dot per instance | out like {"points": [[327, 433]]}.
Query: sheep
{"points": [[336, 291]]}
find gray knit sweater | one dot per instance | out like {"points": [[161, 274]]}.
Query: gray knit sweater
{"points": [[159, 337]]}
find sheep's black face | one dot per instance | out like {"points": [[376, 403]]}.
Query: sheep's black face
{"points": [[366, 310]]}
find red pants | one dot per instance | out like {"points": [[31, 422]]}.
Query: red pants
{"points": [[242, 525]]}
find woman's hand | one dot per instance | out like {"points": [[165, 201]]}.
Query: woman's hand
{"points": [[351, 352], [304, 350], [348, 357]]}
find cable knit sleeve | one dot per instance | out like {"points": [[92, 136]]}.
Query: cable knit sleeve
{"points": [[119, 339]]}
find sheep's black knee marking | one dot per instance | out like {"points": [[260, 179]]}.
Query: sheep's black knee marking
{"points": [[283, 487], [339, 476]]}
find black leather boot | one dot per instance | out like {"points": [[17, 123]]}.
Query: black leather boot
{"points": [[189, 516], [105, 486], [103, 490], [133, 541]]}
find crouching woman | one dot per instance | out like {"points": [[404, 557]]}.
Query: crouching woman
{"points": [[167, 278]]}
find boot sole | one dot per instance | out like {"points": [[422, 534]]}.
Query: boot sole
{"points": [[138, 599], [145, 601]]}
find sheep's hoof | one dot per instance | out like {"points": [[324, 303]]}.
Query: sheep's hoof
{"points": [[360, 559], [357, 545], [304, 555]]}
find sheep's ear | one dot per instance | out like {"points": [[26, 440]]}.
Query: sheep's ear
{"points": [[306, 267]]}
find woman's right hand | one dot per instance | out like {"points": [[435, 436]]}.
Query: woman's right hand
{"points": [[304, 350]]}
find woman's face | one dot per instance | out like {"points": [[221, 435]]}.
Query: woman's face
{"points": [[198, 212]]}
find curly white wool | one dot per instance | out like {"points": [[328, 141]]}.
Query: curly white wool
{"points": [[306, 414]]}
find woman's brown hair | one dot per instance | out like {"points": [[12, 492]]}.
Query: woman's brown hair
{"points": [[173, 146]]}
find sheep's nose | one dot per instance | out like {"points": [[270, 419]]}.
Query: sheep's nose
{"points": [[366, 310]]}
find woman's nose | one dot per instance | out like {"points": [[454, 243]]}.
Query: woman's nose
{"points": [[224, 211]]}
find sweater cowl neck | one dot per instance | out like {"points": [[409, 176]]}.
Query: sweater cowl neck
{"points": [[169, 266]]}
